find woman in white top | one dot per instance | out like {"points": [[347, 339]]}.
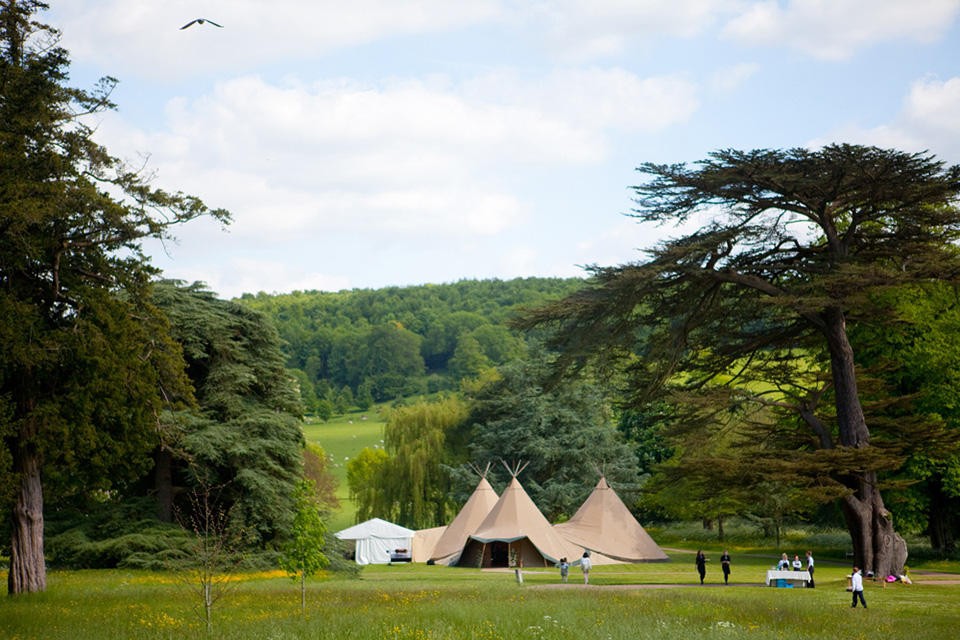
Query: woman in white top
{"points": [[585, 565], [797, 565]]}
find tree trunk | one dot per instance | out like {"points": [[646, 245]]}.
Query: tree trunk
{"points": [[708, 524], [720, 528], [940, 521], [28, 571], [303, 590], [163, 482], [876, 546]]}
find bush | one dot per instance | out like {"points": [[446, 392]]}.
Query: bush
{"points": [[140, 548]]}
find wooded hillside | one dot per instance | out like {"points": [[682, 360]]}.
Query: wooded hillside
{"points": [[368, 345]]}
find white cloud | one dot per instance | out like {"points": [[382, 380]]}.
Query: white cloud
{"points": [[836, 29], [730, 79], [402, 157], [929, 120], [520, 260], [146, 36], [933, 106], [581, 30], [238, 275], [596, 98]]}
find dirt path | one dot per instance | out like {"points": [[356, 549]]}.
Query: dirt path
{"points": [[573, 585]]}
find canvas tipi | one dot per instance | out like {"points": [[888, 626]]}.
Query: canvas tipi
{"points": [[605, 526], [424, 542], [515, 532], [450, 545]]}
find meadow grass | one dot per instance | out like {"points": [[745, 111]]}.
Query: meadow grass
{"points": [[417, 601]]}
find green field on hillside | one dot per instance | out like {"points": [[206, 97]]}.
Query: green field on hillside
{"points": [[343, 437]]}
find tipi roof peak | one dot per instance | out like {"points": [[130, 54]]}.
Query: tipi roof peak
{"points": [[482, 474], [514, 468]]}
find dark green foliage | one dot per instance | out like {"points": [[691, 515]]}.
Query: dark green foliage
{"points": [[245, 435], [566, 434], [84, 354], [111, 534], [364, 399], [644, 429], [308, 393]]}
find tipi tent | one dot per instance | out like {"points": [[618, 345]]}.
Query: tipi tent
{"points": [[605, 526], [451, 543], [424, 542], [515, 529], [377, 539]]}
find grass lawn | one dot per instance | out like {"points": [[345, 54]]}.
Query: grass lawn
{"points": [[343, 437], [417, 601]]}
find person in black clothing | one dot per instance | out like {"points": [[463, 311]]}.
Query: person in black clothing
{"points": [[701, 564], [725, 565]]}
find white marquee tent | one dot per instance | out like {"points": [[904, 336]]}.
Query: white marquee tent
{"points": [[376, 539]]}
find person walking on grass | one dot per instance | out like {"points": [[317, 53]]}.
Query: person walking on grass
{"points": [[810, 568], [857, 582], [585, 565], [701, 562], [725, 565], [564, 570]]}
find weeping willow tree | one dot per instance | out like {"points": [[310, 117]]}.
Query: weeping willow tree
{"points": [[412, 484]]}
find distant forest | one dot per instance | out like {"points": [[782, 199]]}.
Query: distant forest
{"points": [[357, 347]]}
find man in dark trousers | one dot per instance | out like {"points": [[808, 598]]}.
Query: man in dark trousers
{"points": [[857, 582]]}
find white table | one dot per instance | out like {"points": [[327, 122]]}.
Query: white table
{"points": [[796, 578]]}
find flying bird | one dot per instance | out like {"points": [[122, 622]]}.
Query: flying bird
{"points": [[200, 21]]}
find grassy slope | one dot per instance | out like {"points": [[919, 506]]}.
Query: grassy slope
{"points": [[438, 602], [343, 440]]}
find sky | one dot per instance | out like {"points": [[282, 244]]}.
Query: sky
{"points": [[376, 143]]}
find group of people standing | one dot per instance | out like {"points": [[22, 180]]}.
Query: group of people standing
{"points": [[701, 563], [797, 565], [784, 564]]}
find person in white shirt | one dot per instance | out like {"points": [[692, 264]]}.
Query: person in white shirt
{"points": [[857, 583], [810, 568], [585, 565], [797, 565], [784, 564]]}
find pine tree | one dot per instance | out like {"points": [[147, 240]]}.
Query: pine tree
{"points": [[84, 354]]}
